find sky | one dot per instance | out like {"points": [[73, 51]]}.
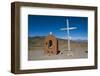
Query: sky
{"points": [[39, 25]]}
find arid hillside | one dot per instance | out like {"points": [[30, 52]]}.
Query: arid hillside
{"points": [[37, 43]]}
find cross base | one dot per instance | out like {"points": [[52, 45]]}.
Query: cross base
{"points": [[70, 53]]}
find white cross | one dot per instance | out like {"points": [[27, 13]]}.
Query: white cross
{"points": [[68, 29]]}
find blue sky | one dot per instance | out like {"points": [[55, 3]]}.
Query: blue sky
{"points": [[39, 25]]}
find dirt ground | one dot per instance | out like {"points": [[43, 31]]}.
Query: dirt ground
{"points": [[75, 53]]}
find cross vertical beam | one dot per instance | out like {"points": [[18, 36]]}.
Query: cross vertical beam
{"points": [[69, 48]]}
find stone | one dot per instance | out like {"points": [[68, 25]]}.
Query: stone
{"points": [[50, 45]]}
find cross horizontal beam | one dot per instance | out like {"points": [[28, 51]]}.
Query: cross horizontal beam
{"points": [[71, 28]]}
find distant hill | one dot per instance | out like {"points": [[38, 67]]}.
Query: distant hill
{"points": [[37, 42]]}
